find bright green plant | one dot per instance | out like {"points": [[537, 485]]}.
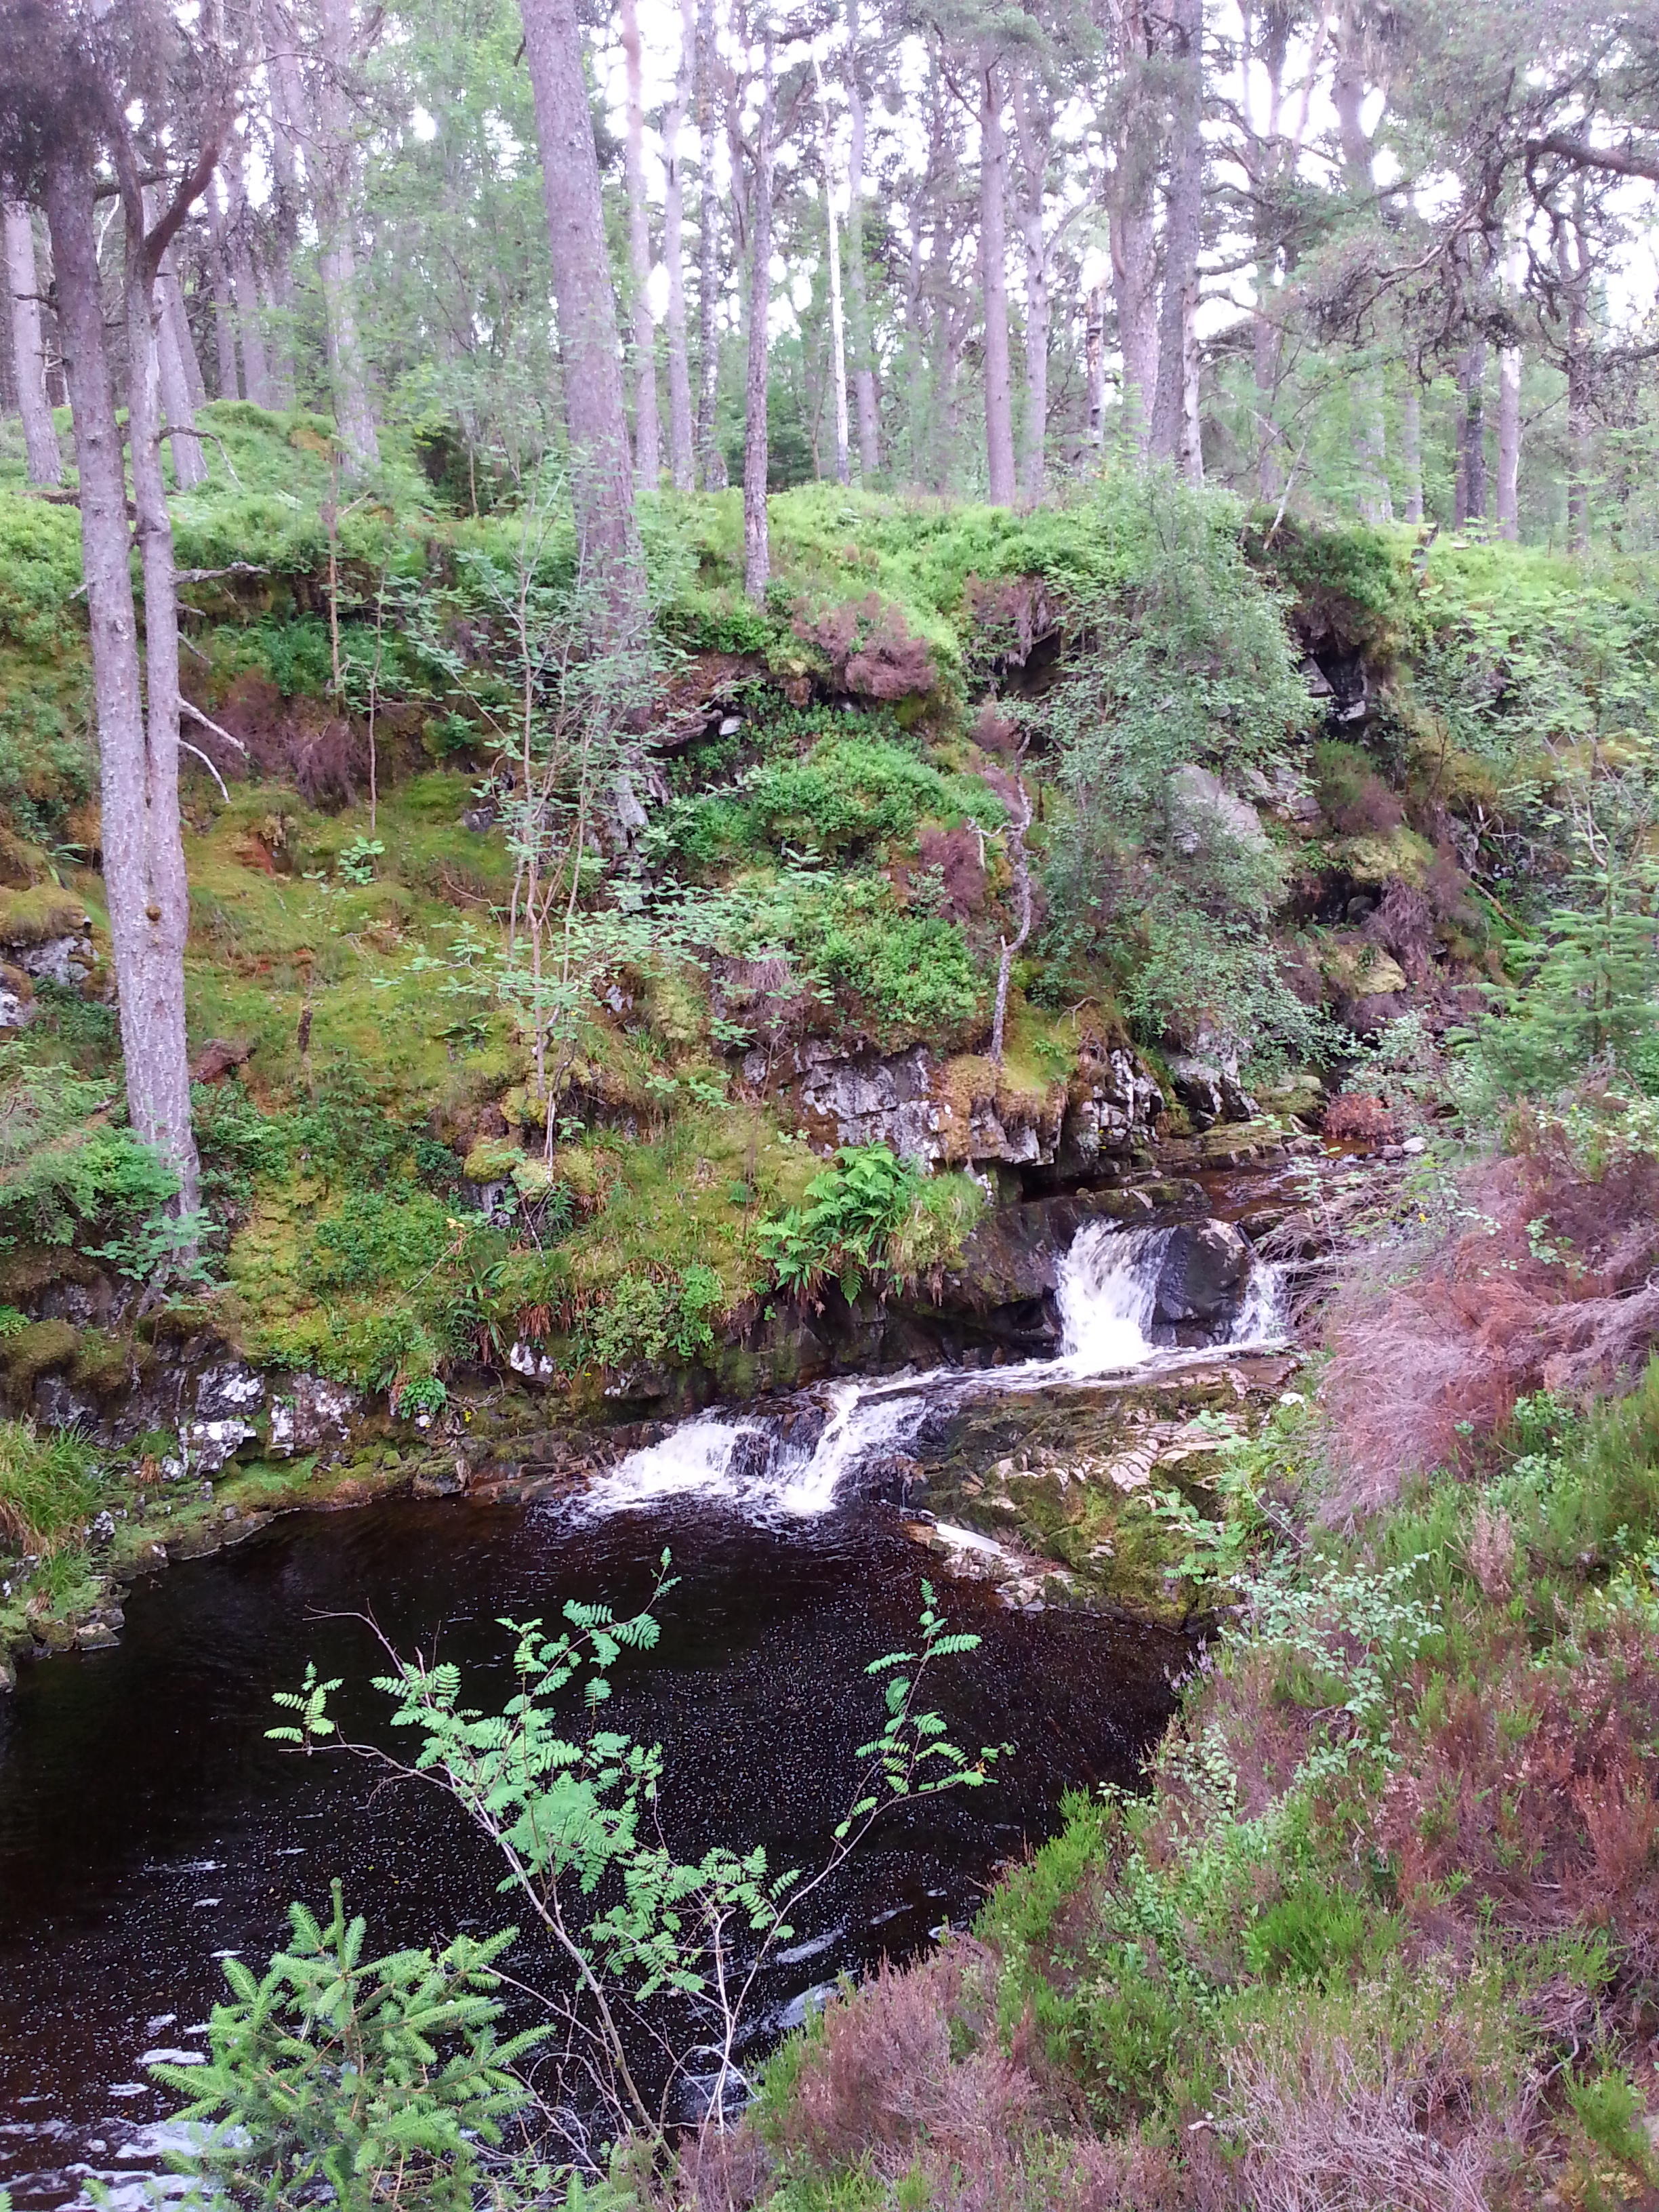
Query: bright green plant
{"points": [[380, 2081], [840, 1230], [356, 861], [48, 1485]]}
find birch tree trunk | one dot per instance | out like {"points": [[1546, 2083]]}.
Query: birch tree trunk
{"points": [[143, 851], [711, 460], [337, 264], [864, 366], [1034, 127], [837, 326], [1171, 439], [1094, 361], [756, 549], [648, 435], [595, 417], [29, 352], [993, 280], [680, 450]]}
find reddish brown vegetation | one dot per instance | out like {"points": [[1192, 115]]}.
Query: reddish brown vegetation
{"points": [[1367, 808], [1415, 1357], [870, 652], [1539, 1793], [1357, 1118], [954, 853], [1010, 615]]}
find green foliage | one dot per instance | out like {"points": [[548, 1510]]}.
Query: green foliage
{"points": [[357, 861], [645, 1317], [849, 796], [376, 1237], [48, 1485], [841, 1229], [66, 1173], [1588, 1004], [570, 1805], [381, 2081], [915, 973]]}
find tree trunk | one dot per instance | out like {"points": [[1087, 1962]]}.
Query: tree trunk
{"points": [[143, 851], [179, 315], [756, 550], [595, 416], [224, 307], [648, 435], [1573, 265], [1134, 292], [711, 460], [1470, 498], [994, 283], [1370, 442], [172, 341], [1034, 129], [864, 367], [1019, 822], [1411, 446], [837, 326], [287, 123], [1094, 357], [1509, 443], [682, 450], [45, 461], [336, 265], [1171, 438], [256, 369]]}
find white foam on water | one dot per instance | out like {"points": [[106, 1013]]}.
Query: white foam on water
{"points": [[1107, 1294]]}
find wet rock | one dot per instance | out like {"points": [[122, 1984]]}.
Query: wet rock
{"points": [[752, 1455], [1111, 1104], [1205, 1268], [8, 1675], [95, 1635]]}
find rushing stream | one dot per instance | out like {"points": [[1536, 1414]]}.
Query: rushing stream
{"points": [[148, 1829]]}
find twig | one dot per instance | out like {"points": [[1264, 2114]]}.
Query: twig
{"points": [[169, 431], [186, 746], [188, 706]]}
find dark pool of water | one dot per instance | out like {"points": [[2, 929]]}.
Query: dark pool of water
{"points": [[147, 1827]]}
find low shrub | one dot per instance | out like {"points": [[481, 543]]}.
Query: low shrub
{"points": [[48, 1485]]}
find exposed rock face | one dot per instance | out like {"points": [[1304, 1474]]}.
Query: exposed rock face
{"points": [[906, 1101], [65, 961], [1210, 1088], [1202, 807]]}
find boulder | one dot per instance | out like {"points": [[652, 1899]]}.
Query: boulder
{"points": [[1210, 1089], [1204, 1275], [1201, 807]]}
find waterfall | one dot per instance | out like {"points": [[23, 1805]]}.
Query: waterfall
{"points": [[1107, 1294], [794, 1465]]}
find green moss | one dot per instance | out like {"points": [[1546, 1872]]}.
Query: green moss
{"points": [[36, 1351], [39, 914]]}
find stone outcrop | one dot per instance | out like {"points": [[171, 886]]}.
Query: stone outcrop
{"points": [[963, 1113]]}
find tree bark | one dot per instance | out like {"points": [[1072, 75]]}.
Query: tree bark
{"points": [[681, 448], [1370, 442], [1094, 358], [993, 281], [595, 416], [1573, 265], [224, 306], [1171, 437], [1411, 448], [756, 549], [837, 325], [45, 460], [1034, 127], [143, 851], [1470, 497], [287, 123], [178, 314], [1131, 196], [1509, 443], [337, 265], [647, 434], [711, 460], [864, 366], [172, 341], [256, 366]]}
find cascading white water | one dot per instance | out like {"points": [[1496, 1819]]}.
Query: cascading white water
{"points": [[1107, 1294]]}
